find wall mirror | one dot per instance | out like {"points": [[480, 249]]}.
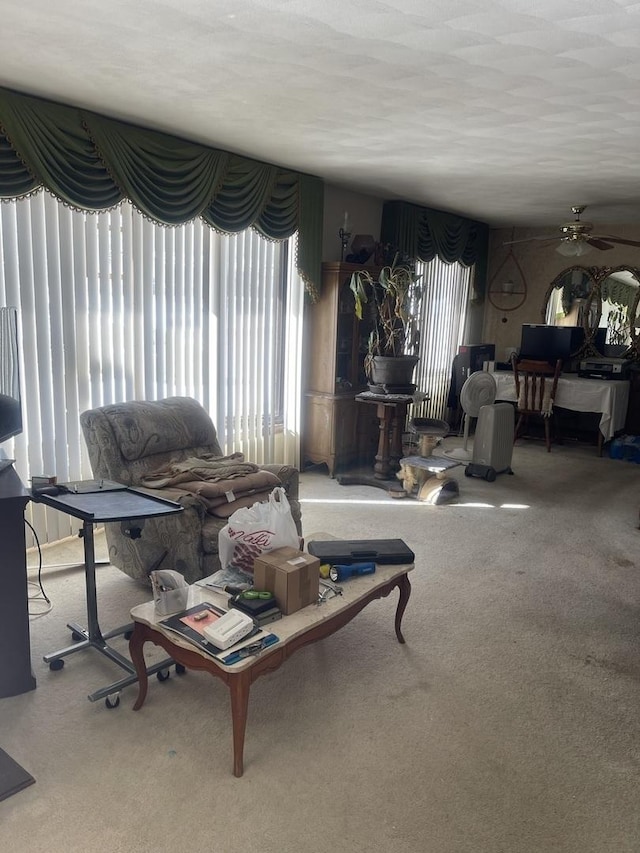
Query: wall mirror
{"points": [[604, 301]]}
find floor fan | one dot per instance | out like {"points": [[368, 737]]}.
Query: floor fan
{"points": [[478, 390]]}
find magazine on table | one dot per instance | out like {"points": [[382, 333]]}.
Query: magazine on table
{"points": [[190, 624]]}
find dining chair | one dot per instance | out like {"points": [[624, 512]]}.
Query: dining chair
{"points": [[536, 384]]}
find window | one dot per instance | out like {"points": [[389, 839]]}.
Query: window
{"points": [[443, 314], [113, 307]]}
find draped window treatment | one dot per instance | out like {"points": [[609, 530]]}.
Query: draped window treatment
{"points": [[112, 307], [452, 255], [92, 162], [423, 234]]}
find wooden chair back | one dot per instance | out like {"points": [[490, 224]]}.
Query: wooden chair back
{"points": [[536, 385]]}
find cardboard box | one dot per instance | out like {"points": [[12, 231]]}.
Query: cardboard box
{"points": [[291, 575]]}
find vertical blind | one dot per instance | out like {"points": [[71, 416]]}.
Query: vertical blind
{"points": [[443, 313], [113, 307]]}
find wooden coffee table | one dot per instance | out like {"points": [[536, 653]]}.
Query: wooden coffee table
{"points": [[308, 625]]}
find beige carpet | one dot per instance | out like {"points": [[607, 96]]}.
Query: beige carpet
{"points": [[509, 722]]}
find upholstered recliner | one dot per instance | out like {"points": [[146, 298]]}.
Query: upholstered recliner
{"points": [[130, 443]]}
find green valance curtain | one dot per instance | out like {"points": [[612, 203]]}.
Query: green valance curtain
{"points": [[622, 293], [92, 162], [423, 233]]}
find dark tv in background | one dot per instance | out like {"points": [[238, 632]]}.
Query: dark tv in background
{"points": [[470, 359], [550, 343], [10, 399]]}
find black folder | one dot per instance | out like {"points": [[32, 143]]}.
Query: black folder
{"points": [[348, 551], [252, 606]]}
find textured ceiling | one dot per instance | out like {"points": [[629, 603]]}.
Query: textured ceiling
{"points": [[508, 111]]}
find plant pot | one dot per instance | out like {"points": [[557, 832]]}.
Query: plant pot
{"points": [[392, 370]]}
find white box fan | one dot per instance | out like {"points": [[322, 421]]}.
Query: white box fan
{"points": [[493, 440]]}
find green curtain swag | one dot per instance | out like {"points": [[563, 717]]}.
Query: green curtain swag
{"points": [[423, 233], [92, 162], [618, 292]]}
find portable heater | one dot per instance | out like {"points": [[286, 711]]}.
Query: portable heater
{"points": [[493, 442]]}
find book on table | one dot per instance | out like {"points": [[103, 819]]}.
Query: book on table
{"points": [[190, 624]]}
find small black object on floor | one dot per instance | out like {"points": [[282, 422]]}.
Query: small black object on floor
{"points": [[13, 778], [485, 472]]}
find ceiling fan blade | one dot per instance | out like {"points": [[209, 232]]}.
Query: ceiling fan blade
{"points": [[597, 243], [618, 240], [529, 239]]}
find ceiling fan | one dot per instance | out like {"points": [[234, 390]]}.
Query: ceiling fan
{"points": [[576, 238]]}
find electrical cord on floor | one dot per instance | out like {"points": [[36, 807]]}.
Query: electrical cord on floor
{"points": [[42, 595]]}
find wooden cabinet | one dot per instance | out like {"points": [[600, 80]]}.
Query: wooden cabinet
{"points": [[336, 430]]}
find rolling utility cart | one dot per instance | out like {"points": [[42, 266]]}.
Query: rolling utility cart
{"points": [[94, 503]]}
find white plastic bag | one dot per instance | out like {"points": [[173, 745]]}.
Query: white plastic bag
{"points": [[253, 530]]}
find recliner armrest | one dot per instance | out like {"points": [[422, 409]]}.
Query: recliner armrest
{"points": [[289, 477]]}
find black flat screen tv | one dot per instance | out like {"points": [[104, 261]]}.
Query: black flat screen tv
{"points": [[10, 399], [550, 343]]}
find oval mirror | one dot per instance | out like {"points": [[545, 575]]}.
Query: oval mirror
{"points": [[619, 296], [604, 301], [572, 299]]}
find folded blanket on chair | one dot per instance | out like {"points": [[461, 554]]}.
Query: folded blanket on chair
{"points": [[205, 467], [225, 491], [220, 483], [227, 509]]}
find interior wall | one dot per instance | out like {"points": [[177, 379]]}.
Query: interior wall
{"points": [[365, 216], [540, 264]]}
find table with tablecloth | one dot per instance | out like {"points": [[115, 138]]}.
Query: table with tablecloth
{"points": [[608, 397]]}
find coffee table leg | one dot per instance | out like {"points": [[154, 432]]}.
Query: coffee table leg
{"points": [[239, 684], [136, 643], [404, 588]]}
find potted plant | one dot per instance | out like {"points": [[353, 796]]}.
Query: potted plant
{"points": [[391, 297]]}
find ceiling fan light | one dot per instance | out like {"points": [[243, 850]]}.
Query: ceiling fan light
{"points": [[573, 248], [566, 248], [583, 248]]}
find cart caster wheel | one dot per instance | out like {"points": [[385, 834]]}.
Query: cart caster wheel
{"points": [[56, 665], [162, 674], [180, 669], [112, 701], [128, 635], [76, 637]]}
